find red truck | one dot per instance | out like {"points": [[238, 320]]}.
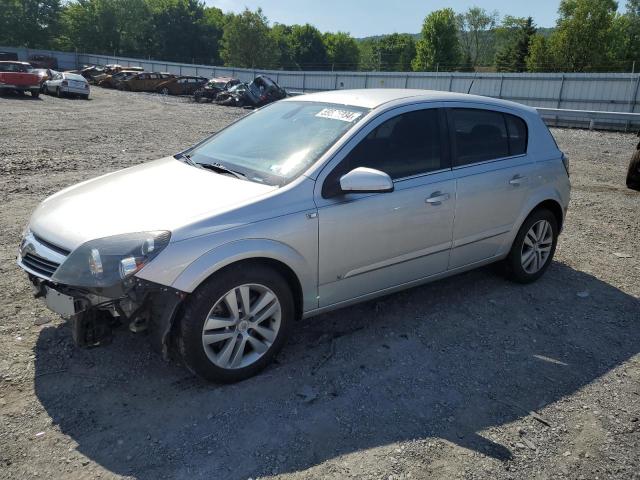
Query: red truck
{"points": [[17, 76]]}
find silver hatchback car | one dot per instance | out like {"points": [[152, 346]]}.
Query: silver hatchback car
{"points": [[304, 206]]}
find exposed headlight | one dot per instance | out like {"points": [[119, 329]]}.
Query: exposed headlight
{"points": [[104, 262]]}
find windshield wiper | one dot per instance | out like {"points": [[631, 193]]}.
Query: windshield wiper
{"points": [[218, 167]]}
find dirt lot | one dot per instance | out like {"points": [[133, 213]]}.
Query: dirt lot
{"points": [[470, 377]]}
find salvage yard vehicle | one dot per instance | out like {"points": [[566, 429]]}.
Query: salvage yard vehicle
{"points": [[307, 205], [112, 81], [261, 91], [67, 84], [18, 77], [144, 81], [8, 56], [213, 87], [184, 85], [633, 173], [44, 61], [43, 75]]}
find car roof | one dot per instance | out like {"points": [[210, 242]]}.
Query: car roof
{"points": [[221, 79], [375, 97]]}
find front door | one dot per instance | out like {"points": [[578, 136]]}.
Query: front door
{"points": [[373, 242]]}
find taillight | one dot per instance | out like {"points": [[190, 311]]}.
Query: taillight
{"points": [[565, 162]]}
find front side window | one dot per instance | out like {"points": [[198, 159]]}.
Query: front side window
{"points": [[406, 145], [277, 143], [480, 135]]}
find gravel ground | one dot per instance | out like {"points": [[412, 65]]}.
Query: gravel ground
{"points": [[470, 377]]}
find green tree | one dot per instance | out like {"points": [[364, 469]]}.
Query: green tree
{"points": [[247, 41], [29, 23], [387, 53], [626, 33], [307, 47], [476, 34], [438, 47], [514, 36], [584, 37], [342, 51], [281, 35], [541, 58]]}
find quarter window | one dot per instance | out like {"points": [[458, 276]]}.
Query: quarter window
{"points": [[406, 145], [517, 134]]}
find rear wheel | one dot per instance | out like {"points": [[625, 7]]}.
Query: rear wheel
{"points": [[534, 247], [58, 92], [35, 93], [164, 91], [235, 323]]}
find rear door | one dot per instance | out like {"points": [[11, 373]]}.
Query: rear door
{"points": [[373, 242], [493, 173]]}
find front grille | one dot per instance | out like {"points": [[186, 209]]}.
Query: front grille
{"points": [[55, 248], [40, 265]]}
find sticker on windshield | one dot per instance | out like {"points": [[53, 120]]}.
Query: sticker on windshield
{"points": [[337, 114]]}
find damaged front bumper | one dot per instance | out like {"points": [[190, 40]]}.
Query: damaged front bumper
{"points": [[143, 305]]}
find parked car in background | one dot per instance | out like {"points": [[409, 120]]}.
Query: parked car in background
{"points": [[209, 92], [307, 205], [112, 69], [18, 77], [8, 57], [144, 82], [91, 71], [261, 91], [183, 85], [43, 61], [67, 84], [43, 74], [112, 81], [633, 173]]}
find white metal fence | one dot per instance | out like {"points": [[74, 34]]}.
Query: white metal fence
{"points": [[589, 92]]}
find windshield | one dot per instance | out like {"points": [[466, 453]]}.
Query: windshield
{"points": [[275, 144]]}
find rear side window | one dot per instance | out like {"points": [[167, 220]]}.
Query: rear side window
{"points": [[406, 145], [480, 135]]}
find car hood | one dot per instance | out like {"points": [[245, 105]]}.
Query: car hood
{"points": [[161, 195]]}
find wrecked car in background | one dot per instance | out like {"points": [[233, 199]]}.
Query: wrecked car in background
{"points": [[213, 87], [43, 61], [260, 92], [633, 173], [144, 82], [18, 77], [183, 85], [112, 81]]}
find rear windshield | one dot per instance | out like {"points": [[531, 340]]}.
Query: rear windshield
{"points": [[73, 76], [277, 143], [13, 67]]}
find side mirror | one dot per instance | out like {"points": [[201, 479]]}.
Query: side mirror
{"points": [[366, 180]]}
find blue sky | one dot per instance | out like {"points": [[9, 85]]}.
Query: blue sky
{"points": [[373, 17]]}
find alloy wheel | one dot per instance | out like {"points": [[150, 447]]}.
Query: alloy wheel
{"points": [[536, 246], [241, 326]]}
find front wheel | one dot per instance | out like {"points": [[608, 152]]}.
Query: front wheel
{"points": [[58, 92], [533, 248], [234, 324]]}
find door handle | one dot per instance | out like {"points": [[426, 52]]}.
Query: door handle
{"points": [[437, 198], [517, 180]]}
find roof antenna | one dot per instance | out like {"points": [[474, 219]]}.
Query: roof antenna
{"points": [[473, 80]]}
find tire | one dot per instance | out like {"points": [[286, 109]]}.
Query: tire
{"points": [[526, 261], [84, 97], [35, 93], [164, 91], [229, 354], [58, 93]]}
